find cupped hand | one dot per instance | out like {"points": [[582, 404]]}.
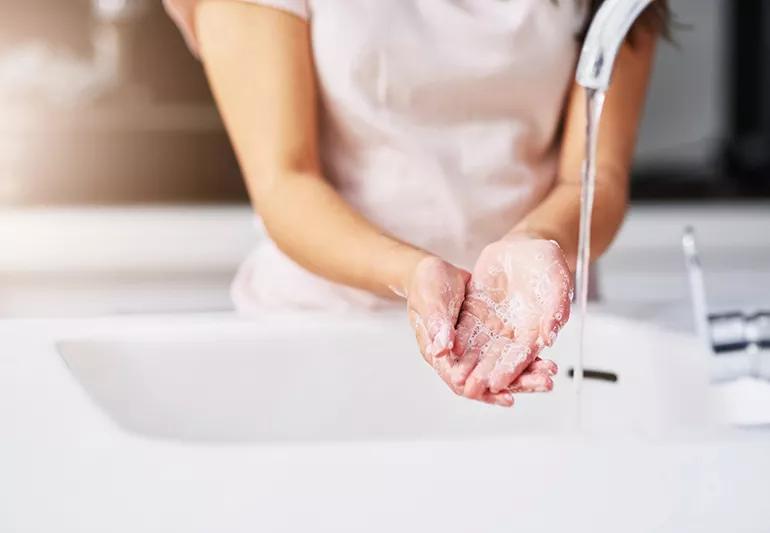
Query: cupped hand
{"points": [[517, 301], [435, 296]]}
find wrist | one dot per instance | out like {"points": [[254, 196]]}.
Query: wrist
{"points": [[565, 244], [529, 232], [405, 265]]}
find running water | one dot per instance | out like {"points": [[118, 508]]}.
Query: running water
{"points": [[594, 104]]}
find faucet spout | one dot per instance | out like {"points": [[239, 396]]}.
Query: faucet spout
{"points": [[608, 30]]}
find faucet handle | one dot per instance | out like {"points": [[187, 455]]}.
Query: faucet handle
{"points": [[736, 331], [727, 332], [694, 269]]}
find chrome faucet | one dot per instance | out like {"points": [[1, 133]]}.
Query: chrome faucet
{"points": [[607, 32], [743, 336]]}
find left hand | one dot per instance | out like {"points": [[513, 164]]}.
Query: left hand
{"points": [[518, 299]]}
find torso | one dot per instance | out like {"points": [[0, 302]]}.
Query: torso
{"points": [[440, 117]]}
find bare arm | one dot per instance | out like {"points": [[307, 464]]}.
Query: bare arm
{"points": [[259, 64], [557, 217]]}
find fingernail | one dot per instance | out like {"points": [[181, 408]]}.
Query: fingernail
{"points": [[551, 339], [504, 401], [546, 386]]}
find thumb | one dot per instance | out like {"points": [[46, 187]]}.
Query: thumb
{"points": [[442, 334], [442, 331]]}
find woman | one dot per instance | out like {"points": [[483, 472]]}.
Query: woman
{"points": [[388, 146]]}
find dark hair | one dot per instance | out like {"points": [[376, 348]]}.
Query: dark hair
{"points": [[657, 18]]}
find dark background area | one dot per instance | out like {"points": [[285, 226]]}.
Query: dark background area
{"points": [[737, 165]]}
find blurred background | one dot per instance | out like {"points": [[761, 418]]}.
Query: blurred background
{"points": [[102, 104], [119, 191], [123, 219]]}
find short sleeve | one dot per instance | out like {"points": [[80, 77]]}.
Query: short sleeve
{"points": [[183, 11], [295, 7]]}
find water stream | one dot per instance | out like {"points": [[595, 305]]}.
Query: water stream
{"points": [[594, 105]]}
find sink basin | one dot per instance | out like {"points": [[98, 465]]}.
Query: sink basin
{"points": [[331, 378]]}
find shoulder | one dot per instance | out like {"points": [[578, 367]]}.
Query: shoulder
{"points": [[183, 14], [299, 8]]}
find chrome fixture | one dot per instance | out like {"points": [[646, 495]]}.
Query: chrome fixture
{"points": [[741, 335], [608, 30]]}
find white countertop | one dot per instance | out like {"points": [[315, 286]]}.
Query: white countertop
{"points": [[66, 466]]}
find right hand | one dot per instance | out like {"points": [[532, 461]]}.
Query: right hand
{"points": [[435, 293], [516, 305]]}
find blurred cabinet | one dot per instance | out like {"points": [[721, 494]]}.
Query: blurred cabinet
{"points": [[153, 137]]}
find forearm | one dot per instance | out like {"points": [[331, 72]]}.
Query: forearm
{"points": [[314, 226], [558, 216]]}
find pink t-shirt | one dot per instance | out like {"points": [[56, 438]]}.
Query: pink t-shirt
{"points": [[440, 123]]}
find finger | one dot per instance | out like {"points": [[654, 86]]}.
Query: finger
{"points": [[441, 334], [462, 366], [503, 399], [474, 339], [458, 303], [454, 307], [557, 309], [478, 380], [466, 329], [551, 325], [454, 370], [442, 328], [542, 366], [532, 383], [471, 317], [510, 365]]}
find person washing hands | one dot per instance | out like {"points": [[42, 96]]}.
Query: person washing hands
{"points": [[423, 149]]}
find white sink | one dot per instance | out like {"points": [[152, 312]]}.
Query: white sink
{"points": [[320, 378], [283, 388]]}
